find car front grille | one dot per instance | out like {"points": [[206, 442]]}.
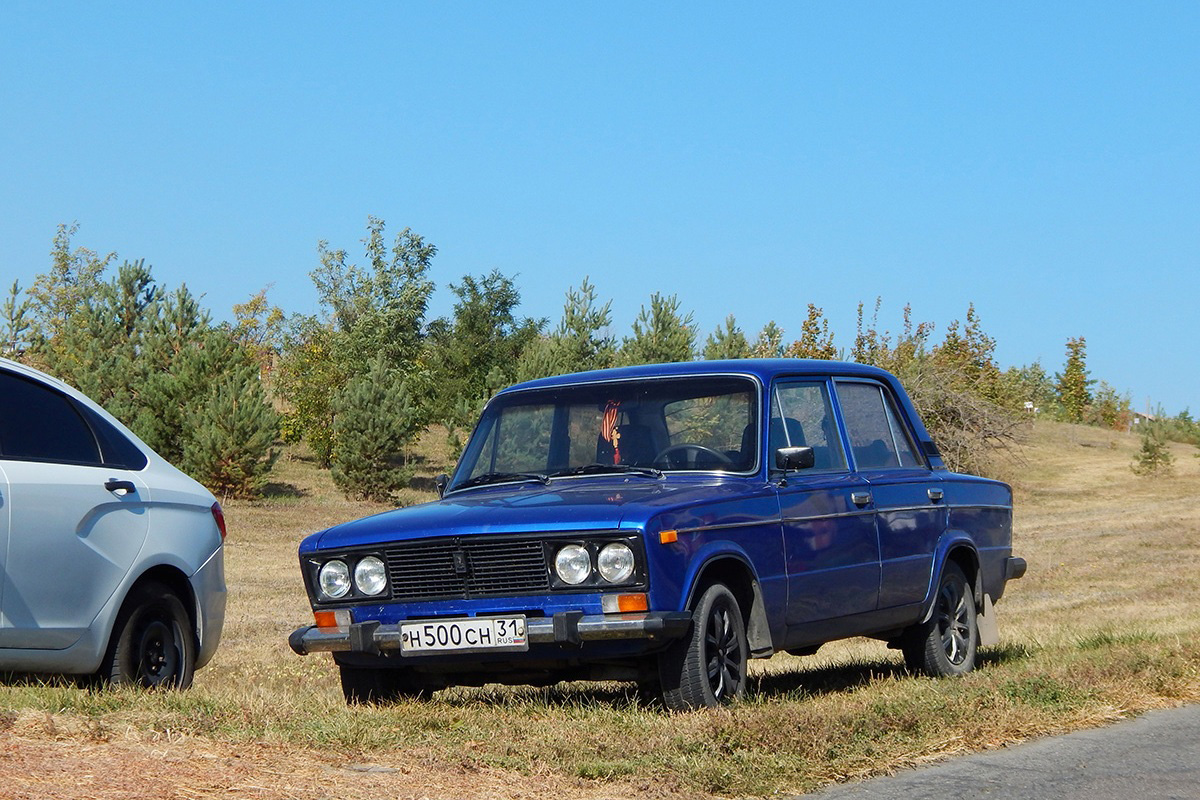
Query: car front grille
{"points": [[453, 568]]}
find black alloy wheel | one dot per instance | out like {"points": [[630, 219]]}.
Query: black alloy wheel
{"points": [[708, 667], [947, 644]]}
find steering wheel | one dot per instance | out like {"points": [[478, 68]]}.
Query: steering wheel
{"points": [[678, 456]]}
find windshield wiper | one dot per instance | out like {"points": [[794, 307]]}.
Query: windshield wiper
{"points": [[503, 477], [601, 469]]}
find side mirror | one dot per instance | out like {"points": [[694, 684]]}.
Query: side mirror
{"points": [[441, 481], [793, 458]]}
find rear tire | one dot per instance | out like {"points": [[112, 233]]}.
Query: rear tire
{"points": [[152, 643], [946, 645], [708, 667], [371, 685]]}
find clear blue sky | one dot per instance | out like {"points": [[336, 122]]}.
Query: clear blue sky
{"points": [[1039, 160]]}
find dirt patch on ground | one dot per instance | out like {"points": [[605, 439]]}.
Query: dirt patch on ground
{"points": [[38, 762]]}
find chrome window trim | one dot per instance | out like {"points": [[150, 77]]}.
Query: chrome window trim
{"points": [[751, 378]]}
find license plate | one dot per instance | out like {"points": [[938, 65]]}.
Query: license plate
{"points": [[459, 635]]}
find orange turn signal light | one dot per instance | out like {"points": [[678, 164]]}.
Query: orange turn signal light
{"points": [[623, 603], [332, 619], [666, 537], [633, 602]]}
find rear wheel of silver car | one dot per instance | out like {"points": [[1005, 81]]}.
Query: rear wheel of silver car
{"points": [[708, 667], [371, 685], [946, 645], [152, 643]]}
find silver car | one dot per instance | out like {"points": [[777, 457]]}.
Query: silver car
{"points": [[112, 560]]}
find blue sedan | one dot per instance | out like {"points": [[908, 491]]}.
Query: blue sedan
{"points": [[663, 524]]}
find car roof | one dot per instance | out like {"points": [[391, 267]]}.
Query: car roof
{"points": [[37, 374], [764, 369]]}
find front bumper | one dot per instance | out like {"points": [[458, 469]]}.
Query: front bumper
{"points": [[564, 628]]}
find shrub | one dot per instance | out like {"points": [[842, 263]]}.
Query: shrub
{"points": [[230, 446], [1153, 458], [374, 420]]}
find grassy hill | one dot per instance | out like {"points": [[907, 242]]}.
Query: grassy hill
{"points": [[1105, 624]]}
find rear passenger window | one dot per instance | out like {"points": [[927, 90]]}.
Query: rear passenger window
{"points": [[877, 438], [115, 448], [39, 424]]}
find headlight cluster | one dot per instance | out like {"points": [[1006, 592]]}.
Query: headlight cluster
{"points": [[579, 565], [336, 579]]}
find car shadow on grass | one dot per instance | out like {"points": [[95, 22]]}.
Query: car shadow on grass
{"points": [[822, 680], [42, 681], [785, 684]]}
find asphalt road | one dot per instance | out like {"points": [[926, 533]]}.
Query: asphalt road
{"points": [[1154, 757]]}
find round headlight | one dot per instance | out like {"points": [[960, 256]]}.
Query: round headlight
{"points": [[615, 562], [370, 575], [573, 564], [334, 579]]}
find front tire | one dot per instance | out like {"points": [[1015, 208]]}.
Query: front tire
{"points": [[946, 645], [152, 644], [708, 667]]}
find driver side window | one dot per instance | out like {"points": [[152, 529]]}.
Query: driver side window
{"points": [[801, 416]]}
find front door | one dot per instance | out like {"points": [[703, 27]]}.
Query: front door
{"points": [[830, 544]]}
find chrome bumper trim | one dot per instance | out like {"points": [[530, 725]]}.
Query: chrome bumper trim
{"points": [[564, 628]]}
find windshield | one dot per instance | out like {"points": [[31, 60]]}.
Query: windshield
{"points": [[648, 426]]}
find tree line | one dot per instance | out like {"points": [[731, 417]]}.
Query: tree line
{"points": [[359, 380]]}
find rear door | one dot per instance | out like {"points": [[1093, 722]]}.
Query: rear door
{"points": [[77, 515], [905, 493]]}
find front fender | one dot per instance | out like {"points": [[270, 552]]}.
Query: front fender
{"points": [[718, 558], [705, 557]]}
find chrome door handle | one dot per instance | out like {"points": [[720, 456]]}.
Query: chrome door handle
{"points": [[860, 498], [935, 494]]}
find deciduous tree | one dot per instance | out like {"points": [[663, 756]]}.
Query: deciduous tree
{"points": [[816, 340]]}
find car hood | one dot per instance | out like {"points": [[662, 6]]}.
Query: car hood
{"points": [[583, 504]]}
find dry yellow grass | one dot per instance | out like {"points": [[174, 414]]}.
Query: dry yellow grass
{"points": [[1104, 625]]}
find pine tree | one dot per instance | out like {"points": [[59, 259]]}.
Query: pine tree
{"points": [[375, 420], [1073, 384], [769, 343], [727, 342], [153, 359], [661, 334], [580, 342], [1154, 458], [230, 433], [15, 320]]}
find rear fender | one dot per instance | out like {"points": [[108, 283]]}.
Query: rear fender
{"points": [[961, 547]]}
